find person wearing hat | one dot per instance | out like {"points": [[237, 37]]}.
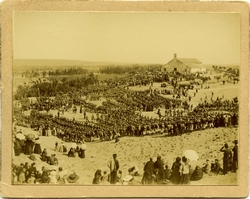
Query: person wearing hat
{"points": [[226, 158], [113, 166], [72, 178], [235, 156]]}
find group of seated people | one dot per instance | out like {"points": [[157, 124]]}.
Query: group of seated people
{"points": [[105, 178], [50, 159], [29, 174], [74, 152]]}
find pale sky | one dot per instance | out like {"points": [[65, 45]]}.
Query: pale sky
{"points": [[212, 38]]}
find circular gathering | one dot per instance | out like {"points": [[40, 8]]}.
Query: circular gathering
{"points": [[126, 126]]}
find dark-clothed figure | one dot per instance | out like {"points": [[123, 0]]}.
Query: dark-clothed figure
{"points": [[234, 120], [159, 165], [197, 174], [97, 177], [175, 177], [82, 150], [148, 172], [226, 158], [17, 147], [166, 173], [29, 147], [72, 152], [44, 155], [216, 167], [235, 156], [37, 147], [52, 160], [113, 166]]}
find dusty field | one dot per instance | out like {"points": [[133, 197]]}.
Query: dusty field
{"points": [[133, 151]]}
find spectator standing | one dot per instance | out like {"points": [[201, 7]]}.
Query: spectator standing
{"points": [[235, 156], [226, 158], [113, 166]]}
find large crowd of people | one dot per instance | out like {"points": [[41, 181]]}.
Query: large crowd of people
{"points": [[125, 121], [119, 115]]}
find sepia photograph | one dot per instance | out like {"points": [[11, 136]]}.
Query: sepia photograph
{"points": [[125, 98]]}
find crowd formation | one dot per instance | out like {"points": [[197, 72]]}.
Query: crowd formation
{"points": [[121, 115], [124, 121]]}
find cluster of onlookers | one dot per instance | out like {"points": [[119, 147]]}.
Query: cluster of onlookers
{"points": [[29, 174], [27, 144], [157, 172], [181, 171]]}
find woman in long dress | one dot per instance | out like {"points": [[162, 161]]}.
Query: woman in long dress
{"points": [[175, 177], [185, 167], [29, 147], [17, 147], [37, 147], [83, 148]]}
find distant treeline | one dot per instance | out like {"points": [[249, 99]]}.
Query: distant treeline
{"points": [[121, 69], [68, 71], [54, 86], [227, 69], [56, 72], [110, 69]]}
